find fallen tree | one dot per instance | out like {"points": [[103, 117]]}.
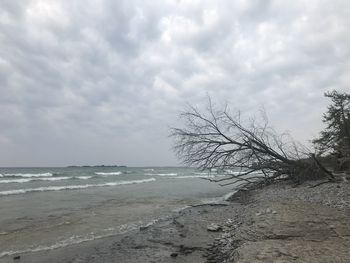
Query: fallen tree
{"points": [[250, 148]]}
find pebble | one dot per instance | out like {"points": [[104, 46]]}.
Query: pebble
{"points": [[338, 197], [214, 228]]}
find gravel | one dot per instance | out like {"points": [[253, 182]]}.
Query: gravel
{"points": [[335, 195], [331, 194]]}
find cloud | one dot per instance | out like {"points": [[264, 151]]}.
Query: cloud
{"points": [[100, 81]]}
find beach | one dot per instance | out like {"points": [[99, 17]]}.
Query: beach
{"points": [[278, 223]]}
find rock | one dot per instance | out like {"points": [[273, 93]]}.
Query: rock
{"points": [[214, 228], [229, 221], [174, 255], [344, 164], [211, 257], [143, 228], [16, 257], [258, 214], [268, 210], [260, 257], [274, 212], [226, 235]]}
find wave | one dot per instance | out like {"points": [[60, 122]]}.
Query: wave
{"points": [[167, 174], [196, 175], [83, 177], [111, 173], [190, 176], [76, 239], [202, 173], [73, 187], [26, 180], [28, 175]]}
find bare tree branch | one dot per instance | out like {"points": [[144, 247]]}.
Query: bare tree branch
{"points": [[222, 140]]}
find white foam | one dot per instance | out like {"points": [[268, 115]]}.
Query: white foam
{"points": [[83, 177], [228, 196], [26, 180], [72, 187], [29, 175], [111, 173], [204, 175], [168, 174], [191, 176], [1, 175]]}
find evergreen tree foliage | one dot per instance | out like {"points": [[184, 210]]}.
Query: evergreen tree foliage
{"points": [[335, 138]]}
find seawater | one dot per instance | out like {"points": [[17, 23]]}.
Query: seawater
{"points": [[47, 208]]}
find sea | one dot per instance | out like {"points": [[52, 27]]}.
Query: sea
{"points": [[48, 208]]}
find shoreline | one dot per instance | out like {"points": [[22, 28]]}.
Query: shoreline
{"points": [[271, 218], [131, 228]]}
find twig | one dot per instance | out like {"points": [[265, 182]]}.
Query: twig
{"points": [[321, 183]]}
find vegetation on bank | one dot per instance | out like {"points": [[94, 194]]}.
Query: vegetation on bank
{"points": [[224, 140]]}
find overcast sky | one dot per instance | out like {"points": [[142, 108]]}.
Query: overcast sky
{"points": [[101, 81]]}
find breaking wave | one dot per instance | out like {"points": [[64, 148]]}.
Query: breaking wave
{"points": [[73, 187], [83, 177], [28, 175], [26, 180], [168, 174], [191, 176], [111, 173]]}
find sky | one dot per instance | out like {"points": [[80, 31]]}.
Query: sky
{"points": [[101, 81]]}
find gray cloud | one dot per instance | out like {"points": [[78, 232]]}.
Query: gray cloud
{"points": [[100, 81]]}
